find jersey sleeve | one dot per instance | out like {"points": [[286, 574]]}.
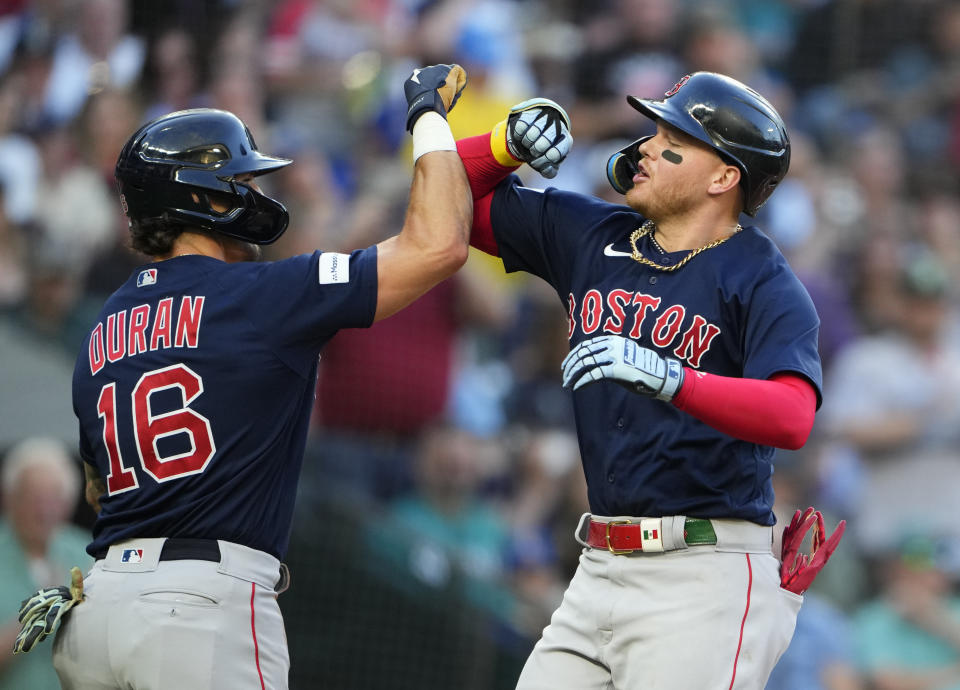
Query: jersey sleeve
{"points": [[782, 331], [542, 232], [300, 302]]}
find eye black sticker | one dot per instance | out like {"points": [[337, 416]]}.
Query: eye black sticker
{"points": [[671, 156]]}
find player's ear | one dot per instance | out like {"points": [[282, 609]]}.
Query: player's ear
{"points": [[725, 178]]}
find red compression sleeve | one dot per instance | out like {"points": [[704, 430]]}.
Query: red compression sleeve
{"points": [[481, 234], [776, 412], [485, 169]]}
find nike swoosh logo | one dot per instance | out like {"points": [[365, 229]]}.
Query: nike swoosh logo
{"points": [[610, 251]]}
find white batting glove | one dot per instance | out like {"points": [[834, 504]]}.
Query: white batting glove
{"points": [[622, 361], [538, 133]]}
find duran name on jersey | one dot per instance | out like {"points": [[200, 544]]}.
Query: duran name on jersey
{"points": [[145, 328]]}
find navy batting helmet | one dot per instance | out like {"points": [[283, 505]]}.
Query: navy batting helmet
{"points": [[736, 121], [169, 167]]}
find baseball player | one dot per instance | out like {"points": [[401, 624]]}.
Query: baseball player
{"points": [[194, 391], [693, 355]]}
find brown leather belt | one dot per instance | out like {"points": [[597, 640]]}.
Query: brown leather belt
{"points": [[627, 536]]}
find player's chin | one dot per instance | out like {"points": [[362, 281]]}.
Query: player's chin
{"points": [[637, 199]]}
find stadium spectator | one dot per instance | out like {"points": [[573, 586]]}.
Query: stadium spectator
{"points": [[13, 273], [174, 76], [443, 532], [894, 401], [99, 54], [629, 46], [38, 546], [908, 637]]}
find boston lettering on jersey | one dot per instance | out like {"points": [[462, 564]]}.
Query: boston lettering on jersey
{"points": [[142, 328], [632, 314]]}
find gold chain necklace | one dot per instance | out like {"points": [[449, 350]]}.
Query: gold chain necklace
{"points": [[649, 227]]}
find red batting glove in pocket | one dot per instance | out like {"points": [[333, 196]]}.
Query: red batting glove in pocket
{"points": [[798, 570]]}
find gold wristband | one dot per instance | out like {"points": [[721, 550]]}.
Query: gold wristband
{"points": [[498, 146]]}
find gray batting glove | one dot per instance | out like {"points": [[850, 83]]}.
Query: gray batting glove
{"points": [[622, 361], [538, 133]]}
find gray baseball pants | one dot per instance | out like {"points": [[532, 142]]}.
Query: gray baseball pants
{"points": [[710, 617], [152, 624]]}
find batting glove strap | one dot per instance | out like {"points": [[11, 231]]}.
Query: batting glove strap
{"points": [[538, 134], [622, 361], [672, 380], [40, 615], [435, 88]]}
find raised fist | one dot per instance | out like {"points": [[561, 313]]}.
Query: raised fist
{"points": [[436, 88], [538, 133]]}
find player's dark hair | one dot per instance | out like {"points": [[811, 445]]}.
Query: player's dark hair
{"points": [[154, 236]]}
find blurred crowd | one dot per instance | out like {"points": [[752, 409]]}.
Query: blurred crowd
{"points": [[448, 419]]}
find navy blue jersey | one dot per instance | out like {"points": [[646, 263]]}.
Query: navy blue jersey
{"points": [[194, 391], [734, 310]]}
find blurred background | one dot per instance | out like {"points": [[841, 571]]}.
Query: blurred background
{"points": [[442, 483]]}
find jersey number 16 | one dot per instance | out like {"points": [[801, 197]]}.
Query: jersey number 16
{"points": [[148, 429]]}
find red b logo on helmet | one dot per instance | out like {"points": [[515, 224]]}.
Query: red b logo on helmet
{"points": [[676, 87]]}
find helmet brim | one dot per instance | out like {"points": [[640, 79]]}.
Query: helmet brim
{"points": [[645, 106], [265, 164], [659, 110]]}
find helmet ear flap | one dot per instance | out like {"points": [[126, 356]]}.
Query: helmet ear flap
{"points": [[622, 166]]}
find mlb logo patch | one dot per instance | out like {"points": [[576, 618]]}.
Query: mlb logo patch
{"points": [[148, 276], [131, 556]]}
